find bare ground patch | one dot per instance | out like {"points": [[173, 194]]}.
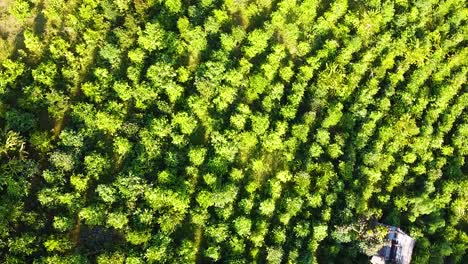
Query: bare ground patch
{"points": [[10, 27]]}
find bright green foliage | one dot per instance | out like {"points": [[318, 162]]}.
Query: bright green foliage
{"points": [[170, 131], [185, 122], [274, 255], [32, 43], [197, 156], [96, 165], [267, 207], [62, 223], [213, 253], [117, 220], [10, 71], [152, 37], [55, 244], [243, 226], [258, 40], [260, 124]]}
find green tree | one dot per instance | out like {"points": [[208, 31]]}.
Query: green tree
{"points": [[152, 38], [243, 226], [96, 165]]}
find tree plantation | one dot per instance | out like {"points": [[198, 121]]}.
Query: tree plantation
{"points": [[232, 131]]}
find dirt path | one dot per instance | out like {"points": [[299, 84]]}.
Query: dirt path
{"points": [[198, 238]]}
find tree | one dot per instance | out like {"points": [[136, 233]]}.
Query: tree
{"points": [[334, 116], [19, 121], [197, 156], [41, 140], [62, 161], [23, 245], [57, 244], [122, 146], [213, 253], [256, 88], [242, 226], [274, 255], [258, 40], [320, 232], [152, 38], [32, 43], [185, 122], [62, 223], [117, 220], [116, 257], [10, 72], [260, 124], [96, 165], [267, 207]]}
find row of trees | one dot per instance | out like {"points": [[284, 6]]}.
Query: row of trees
{"points": [[232, 131]]}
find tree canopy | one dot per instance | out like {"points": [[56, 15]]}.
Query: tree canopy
{"points": [[227, 131]]}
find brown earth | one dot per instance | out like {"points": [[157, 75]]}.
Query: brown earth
{"points": [[10, 29]]}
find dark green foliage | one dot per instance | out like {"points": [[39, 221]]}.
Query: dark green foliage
{"points": [[269, 131], [19, 121]]}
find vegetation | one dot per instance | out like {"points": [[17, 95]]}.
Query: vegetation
{"points": [[233, 131]]}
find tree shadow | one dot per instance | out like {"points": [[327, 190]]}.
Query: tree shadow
{"points": [[94, 240], [39, 21]]}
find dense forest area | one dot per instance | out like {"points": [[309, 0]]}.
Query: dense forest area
{"points": [[231, 131]]}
